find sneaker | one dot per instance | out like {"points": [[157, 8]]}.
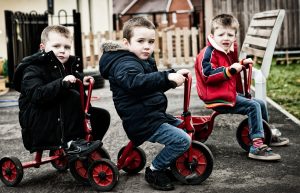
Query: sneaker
{"points": [[158, 179], [81, 147], [279, 141], [263, 153], [170, 175]]}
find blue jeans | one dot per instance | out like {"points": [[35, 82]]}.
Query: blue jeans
{"points": [[256, 111], [176, 142]]}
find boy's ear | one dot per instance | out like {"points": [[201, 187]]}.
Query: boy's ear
{"points": [[125, 42], [42, 46]]}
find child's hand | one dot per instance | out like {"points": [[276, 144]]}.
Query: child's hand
{"points": [[177, 78], [183, 71], [86, 80], [70, 79], [247, 61], [237, 66]]}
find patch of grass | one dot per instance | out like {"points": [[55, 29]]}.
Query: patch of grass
{"points": [[283, 86]]}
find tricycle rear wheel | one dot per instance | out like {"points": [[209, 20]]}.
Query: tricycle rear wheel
{"points": [[11, 171], [243, 138]]}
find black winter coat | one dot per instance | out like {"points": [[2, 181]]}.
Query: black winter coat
{"points": [[138, 92], [50, 113]]}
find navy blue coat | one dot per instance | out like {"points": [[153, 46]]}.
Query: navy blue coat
{"points": [[138, 93]]}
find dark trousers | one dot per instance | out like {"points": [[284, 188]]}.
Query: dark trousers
{"points": [[100, 120]]}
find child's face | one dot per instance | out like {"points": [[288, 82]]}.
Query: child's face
{"points": [[141, 42], [59, 44], [224, 37]]}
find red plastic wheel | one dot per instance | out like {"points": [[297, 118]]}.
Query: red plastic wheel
{"points": [[137, 160], [201, 166], [243, 138], [11, 171], [103, 175], [61, 164], [79, 167]]}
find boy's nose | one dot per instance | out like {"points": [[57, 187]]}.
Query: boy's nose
{"points": [[62, 49]]}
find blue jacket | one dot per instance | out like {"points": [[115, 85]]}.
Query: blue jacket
{"points": [[138, 92]]}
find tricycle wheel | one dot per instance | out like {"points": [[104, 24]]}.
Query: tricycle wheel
{"points": [[61, 164], [11, 171], [103, 175], [136, 161], [200, 168], [79, 167], [243, 138]]}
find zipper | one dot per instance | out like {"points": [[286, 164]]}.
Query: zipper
{"points": [[60, 110]]}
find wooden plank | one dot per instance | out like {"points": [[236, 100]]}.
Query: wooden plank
{"points": [[156, 49], [170, 47], [98, 44], [194, 34], [178, 34], [164, 48], [256, 41], [259, 32], [271, 13], [263, 23], [253, 51], [186, 35], [92, 49]]}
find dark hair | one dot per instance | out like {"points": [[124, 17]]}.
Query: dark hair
{"points": [[224, 20], [55, 28], [135, 22]]}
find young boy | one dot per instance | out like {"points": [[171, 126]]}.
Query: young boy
{"points": [[138, 94], [51, 114], [217, 71]]}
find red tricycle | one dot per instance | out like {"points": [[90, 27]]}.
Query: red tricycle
{"points": [[196, 162], [204, 124], [95, 168]]}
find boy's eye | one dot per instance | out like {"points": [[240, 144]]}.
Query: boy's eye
{"points": [[151, 41], [67, 47], [140, 41]]}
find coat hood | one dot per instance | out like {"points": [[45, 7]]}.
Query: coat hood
{"points": [[112, 51]]}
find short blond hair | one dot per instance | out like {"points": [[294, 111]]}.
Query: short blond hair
{"points": [[224, 20], [64, 31]]}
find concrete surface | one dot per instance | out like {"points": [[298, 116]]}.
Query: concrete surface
{"points": [[233, 172]]}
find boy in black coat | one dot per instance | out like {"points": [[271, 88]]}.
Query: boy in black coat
{"points": [[50, 114]]}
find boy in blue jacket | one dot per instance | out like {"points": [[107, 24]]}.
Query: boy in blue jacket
{"points": [[138, 94]]}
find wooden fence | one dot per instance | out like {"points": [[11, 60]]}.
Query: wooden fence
{"points": [[173, 46]]}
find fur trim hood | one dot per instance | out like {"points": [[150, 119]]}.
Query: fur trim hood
{"points": [[112, 51]]}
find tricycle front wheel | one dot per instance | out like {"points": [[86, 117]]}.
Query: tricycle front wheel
{"points": [[200, 167]]}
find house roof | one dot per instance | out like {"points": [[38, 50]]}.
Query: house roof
{"points": [[142, 6], [147, 6], [119, 6]]}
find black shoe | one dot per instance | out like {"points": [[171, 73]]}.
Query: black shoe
{"points": [[81, 148], [158, 179], [170, 175]]}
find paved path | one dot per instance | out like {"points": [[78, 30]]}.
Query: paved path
{"points": [[233, 172]]}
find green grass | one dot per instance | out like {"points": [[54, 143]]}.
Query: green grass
{"points": [[283, 86]]}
